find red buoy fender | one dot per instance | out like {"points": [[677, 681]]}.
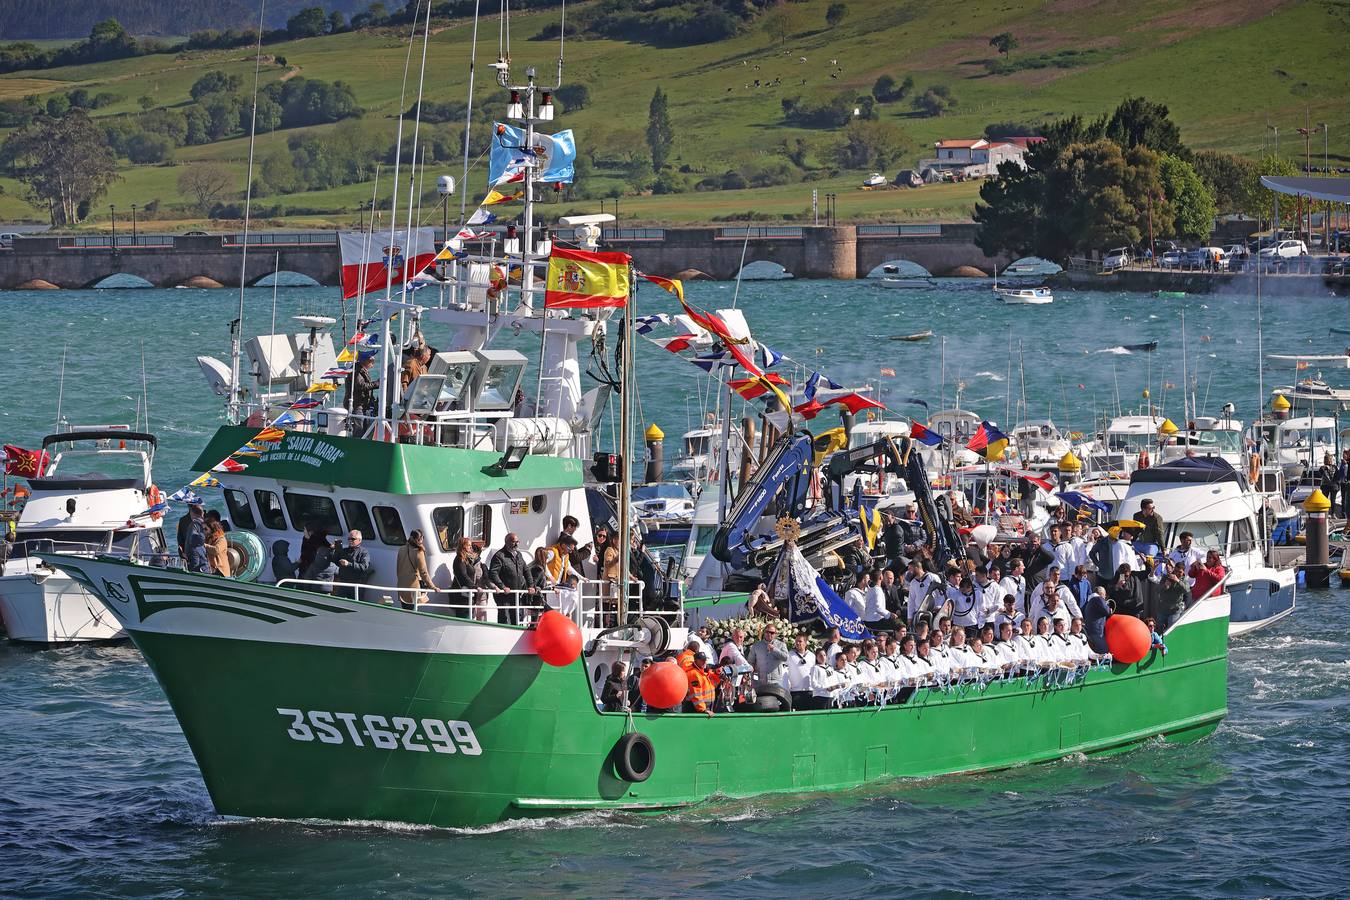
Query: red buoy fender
{"points": [[1128, 638], [663, 685], [557, 639]]}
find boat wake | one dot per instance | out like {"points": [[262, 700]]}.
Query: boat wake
{"points": [[992, 376], [1116, 351]]}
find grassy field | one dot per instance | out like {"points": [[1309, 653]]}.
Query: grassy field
{"points": [[1226, 69]]}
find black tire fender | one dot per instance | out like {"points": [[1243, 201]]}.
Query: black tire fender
{"points": [[772, 690], [634, 757]]}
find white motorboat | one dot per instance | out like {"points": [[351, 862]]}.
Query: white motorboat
{"points": [[1213, 501], [1024, 296], [876, 179], [82, 505]]}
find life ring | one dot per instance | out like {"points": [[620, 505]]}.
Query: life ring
{"points": [[152, 499], [634, 757], [246, 553]]}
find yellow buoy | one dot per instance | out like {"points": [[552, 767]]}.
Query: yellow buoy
{"points": [[1167, 427], [1070, 463], [653, 433], [1279, 403]]}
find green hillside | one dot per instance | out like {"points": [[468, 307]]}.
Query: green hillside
{"points": [[1225, 69]]}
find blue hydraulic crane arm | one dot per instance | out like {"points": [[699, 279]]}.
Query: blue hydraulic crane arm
{"points": [[879, 456], [936, 516], [788, 466]]}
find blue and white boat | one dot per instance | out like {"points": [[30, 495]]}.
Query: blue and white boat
{"points": [[1215, 503]]}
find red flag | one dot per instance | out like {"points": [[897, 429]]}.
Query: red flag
{"points": [[855, 403], [25, 463], [679, 343]]}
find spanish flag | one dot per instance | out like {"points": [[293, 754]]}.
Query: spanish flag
{"points": [[581, 279]]}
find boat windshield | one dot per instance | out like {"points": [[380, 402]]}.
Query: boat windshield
{"points": [[662, 491], [1131, 442], [697, 444], [98, 464], [703, 539], [1206, 535], [1223, 441], [1299, 437]]}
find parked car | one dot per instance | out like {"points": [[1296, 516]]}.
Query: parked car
{"points": [[1171, 259], [1117, 258], [7, 238], [1285, 250]]}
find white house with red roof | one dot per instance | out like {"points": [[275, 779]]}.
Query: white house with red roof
{"points": [[977, 158]]}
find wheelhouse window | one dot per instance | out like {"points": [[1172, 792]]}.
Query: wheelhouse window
{"points": [[390, 525], [241, 514], [269, 508], [358, 518], [315, 510], [480, 528], [1207, 535], [448, 523]]}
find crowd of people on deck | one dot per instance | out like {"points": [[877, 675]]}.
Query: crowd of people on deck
{"points": [[1029, 607]]}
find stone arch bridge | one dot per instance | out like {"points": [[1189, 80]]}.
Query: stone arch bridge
{"points": [[167, 260], [841, 251]]}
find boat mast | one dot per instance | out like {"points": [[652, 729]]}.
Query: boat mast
{"points": [[627, 387], [1185, 376]]}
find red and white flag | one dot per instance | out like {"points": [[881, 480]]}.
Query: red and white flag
{"points": [[369, 261]]}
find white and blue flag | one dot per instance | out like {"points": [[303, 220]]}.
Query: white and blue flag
{"points": [[552, 155]]}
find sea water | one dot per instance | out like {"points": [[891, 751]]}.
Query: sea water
{"points": [[99, 794]]}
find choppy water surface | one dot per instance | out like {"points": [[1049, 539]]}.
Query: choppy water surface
{"points": [[99, 794]]}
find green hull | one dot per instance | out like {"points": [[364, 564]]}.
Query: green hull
{"points": [[545, 748]]}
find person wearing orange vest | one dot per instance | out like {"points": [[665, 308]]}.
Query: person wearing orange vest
{"points": [[702, 686]]}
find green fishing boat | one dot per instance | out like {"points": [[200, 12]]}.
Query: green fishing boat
{"points": [[368, 704]]}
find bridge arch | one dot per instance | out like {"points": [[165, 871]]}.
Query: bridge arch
{"points": [[285, 278], [903, 268], [119, 281], [764, 270]]}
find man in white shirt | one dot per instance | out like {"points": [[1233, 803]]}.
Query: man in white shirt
{"points": [[1066, 555], [1186, 552], [871, 678], [875, 615], [1015, 583], [1004, 646], [965, 604], [918, 582], [990, 593], [799, 664], [1051, 588], [1122, 552], [702, 639], [856, 596], [1008, 612]]}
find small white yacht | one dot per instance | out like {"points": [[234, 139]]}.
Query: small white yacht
{"points": [[1031, 296], [1215, 503], [99, 477]]}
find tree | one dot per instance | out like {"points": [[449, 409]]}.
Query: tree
{"points": [[57, 106], [1228, 177], [835, 14], [1138, 122], [575, 96], [337, 22], [62, 163], [883, 88], [935, 100], [204, 183], [147, 147], [144, 101], [214, 83], [871, 145], [1004, 43], [1192, 201], [660, 134], [309, 22], [780, 24]]}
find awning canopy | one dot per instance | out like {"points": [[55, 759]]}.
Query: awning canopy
{"points": [[1336, 190]]}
